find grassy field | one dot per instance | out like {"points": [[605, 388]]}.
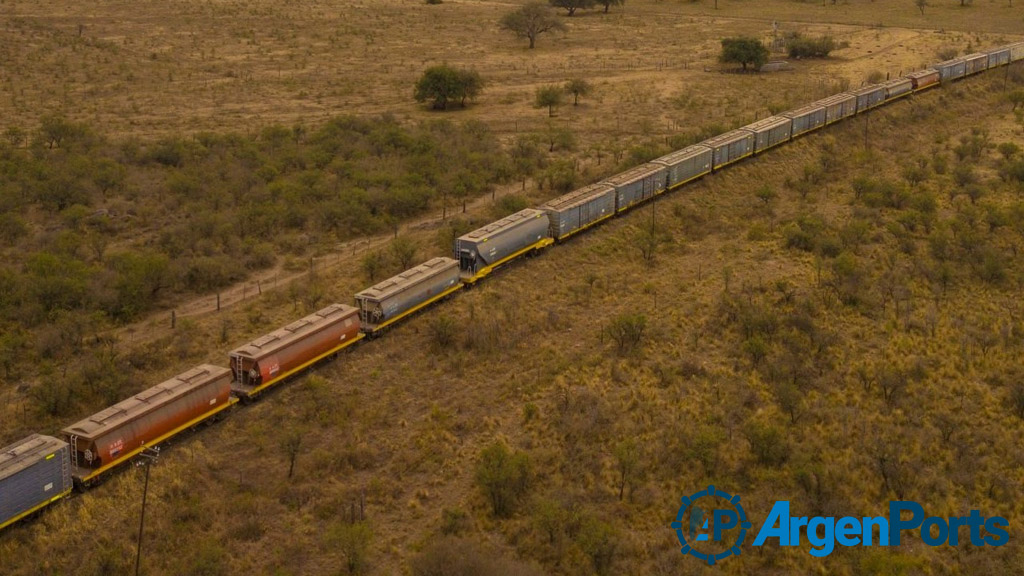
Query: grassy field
{"points": [[183, 66], [840, 345]]}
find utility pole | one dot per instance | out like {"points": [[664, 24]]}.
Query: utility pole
{"points": [[149, 457]]}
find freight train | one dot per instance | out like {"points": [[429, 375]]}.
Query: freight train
{"points": [[40, 470]]}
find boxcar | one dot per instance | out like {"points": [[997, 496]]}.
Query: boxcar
{"points": [[897, 88], [869, 96], [579, 209], [999, 57], [838, 106], [770, 131], [33, 473], [730, 147], [806, 118], [275, 356], [951, 69], [975, 63], [401, 295], [1016, 51], [484, 249], [924, 78], [121, 431], [685, 165], [637, 184]]}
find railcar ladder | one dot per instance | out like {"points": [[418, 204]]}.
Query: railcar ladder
{"points": [[65, 474], [74, 450], [239, 370]]}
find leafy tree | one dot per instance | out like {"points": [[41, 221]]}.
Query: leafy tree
{"points": [[58, 282], [766, 194], [404, 251], [921, 4], [609, 3], [443, 330], [550, 97], [627, 330], [443, 84], [471, 86], [744, 51], [599, 541], [141, 276], [527, 156], [767, 443], [648, 239], [577, 87], [503, 476], [15, 135], [372, 264], [559, 137], [108, 175], [571, 6], [1016, 98], [353, 541], [55, 130], [531, 21]]}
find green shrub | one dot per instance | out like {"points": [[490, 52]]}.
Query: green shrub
{"points": [[503, 476], [803, 47]]}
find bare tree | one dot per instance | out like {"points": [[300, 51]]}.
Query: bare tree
{"points": [[627, 462], [531, 21], [920, 5], [292, 445]]}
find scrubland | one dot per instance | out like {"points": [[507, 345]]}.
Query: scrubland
{"points": [[835, 322]]}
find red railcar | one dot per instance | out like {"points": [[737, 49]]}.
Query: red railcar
{"points": [[923, 79], [275, 356], [121, 431]]}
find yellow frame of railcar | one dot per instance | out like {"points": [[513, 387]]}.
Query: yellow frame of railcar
{"points": [[542, 243], [717, 167], [251, 394], [377, 328], [690, 179], [586, 227], [129, 455], [35, 508]]}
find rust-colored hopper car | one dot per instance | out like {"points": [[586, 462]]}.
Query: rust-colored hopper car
{"points": [[123, 430], [275, 356]]}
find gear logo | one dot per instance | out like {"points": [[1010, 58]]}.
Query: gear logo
{"points": [[726, 515]]}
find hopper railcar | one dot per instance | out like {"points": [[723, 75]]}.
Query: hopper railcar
{"points": [[273, 357], [122, 431]]}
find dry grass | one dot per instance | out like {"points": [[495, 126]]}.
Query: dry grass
{"points": [[397, 424], [182, 67]]}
